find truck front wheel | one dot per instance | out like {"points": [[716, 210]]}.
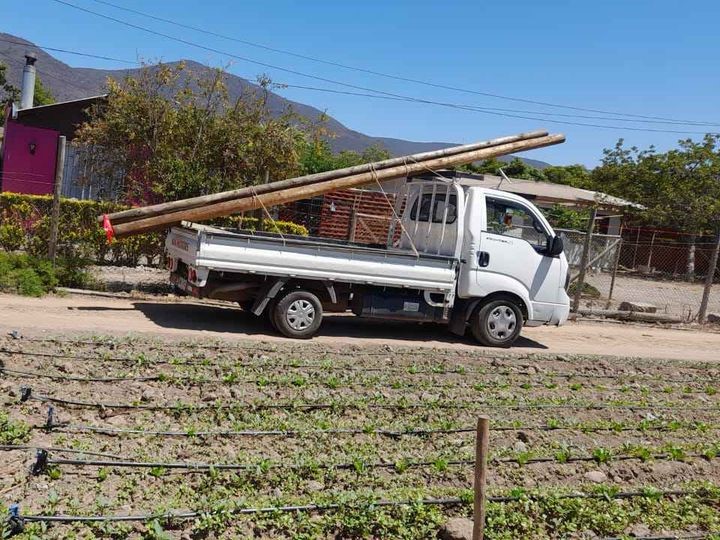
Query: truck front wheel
{"points": [[497, 323], [298, 314]]}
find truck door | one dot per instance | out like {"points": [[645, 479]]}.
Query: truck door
{"points": [[512, 251]]}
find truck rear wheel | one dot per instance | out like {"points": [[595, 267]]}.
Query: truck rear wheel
{"points": [[298, 314], [497, 323]]}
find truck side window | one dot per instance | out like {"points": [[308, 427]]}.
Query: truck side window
{"points": [[438, 210], [512, 219]]}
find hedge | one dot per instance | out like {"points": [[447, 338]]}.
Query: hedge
{"points": [[25, 226]]}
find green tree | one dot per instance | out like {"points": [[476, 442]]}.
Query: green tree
{"points": [[516, 168], [8, 92], [562, 217], [170, 133], [316, 156], [569, 175], [679, 188], [42, 95]]}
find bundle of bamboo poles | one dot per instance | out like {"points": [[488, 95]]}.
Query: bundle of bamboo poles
{"points": [[161, 216]]}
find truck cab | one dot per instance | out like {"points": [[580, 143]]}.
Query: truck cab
{"points": [[506, 250], [473, 258]]}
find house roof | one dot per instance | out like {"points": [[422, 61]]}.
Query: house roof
{"points": [[541, 192], [65, 117], [553, 193]]}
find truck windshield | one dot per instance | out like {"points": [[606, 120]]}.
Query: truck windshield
{"points": [[438, 210]]}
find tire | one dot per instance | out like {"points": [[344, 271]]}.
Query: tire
{"points": [[497, 323], [298, 314]]}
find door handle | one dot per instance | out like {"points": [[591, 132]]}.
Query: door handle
{"points": [[483, 258]]}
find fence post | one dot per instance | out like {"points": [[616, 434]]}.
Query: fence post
{"points": [[55, 213], [616, 263], [709, 279], [584, 259], [482, 441]]}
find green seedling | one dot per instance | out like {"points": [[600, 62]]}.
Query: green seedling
{"points": [[602, 455]]}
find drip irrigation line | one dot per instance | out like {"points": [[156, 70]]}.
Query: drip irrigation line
{"points": [[61, 428], [702, 536], [169, 378], [471, 355], [44, 461], [447, 501], [57, 377], [460, 370], [11, 447], [26, 394]]}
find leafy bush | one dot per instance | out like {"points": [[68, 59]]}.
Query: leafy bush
{"points": [[30, 276], [25, 225], [12, 236]]}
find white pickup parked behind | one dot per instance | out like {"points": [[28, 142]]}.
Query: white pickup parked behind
{"points": [[462, 255]]}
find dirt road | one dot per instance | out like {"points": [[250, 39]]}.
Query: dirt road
{"points": [[182, 318]]}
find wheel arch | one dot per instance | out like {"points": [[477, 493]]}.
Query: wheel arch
{"points": [[469, 307]]}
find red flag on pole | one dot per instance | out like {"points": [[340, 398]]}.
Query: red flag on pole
{"points": [[109, 232]]}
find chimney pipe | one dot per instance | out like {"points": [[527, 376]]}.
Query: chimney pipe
{"points": [[27, 93]]}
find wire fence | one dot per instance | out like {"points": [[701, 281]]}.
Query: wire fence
{"points": [[643, 271]]}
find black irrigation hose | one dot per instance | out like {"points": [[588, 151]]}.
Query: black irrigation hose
{"points": [[701, 536], [256, 433], [61, 428], [11, 447], [397, 464], [458, 370], [448, 501], [664, 537], [57, 377], [189, 379], [402, 352], [27, 395]]}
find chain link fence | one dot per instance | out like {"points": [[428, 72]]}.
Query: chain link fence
{"points": [[665, 276]]}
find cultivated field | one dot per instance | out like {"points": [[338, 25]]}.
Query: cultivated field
{"points": [[368, 441]]}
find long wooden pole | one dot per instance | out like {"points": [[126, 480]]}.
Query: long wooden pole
{"points": [[482, 442], [195, 202], [303, 192], [57, 192]]}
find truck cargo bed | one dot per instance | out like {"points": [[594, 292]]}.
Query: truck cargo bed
{"points": [[309, 258]]}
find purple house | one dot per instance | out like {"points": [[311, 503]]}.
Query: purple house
{"points": [[29, 150]]}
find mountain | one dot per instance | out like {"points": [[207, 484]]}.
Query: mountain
{"points": [[68, 83]]}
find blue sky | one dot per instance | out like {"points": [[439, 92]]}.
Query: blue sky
{"points": [[647, 57]]}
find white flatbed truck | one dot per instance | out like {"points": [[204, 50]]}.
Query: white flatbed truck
{"points": [[466, 256]]}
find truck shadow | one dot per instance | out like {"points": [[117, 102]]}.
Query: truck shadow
{"points": [[215, 318]]}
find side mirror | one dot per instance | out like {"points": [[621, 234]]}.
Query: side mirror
{"points": [[555, 246]]}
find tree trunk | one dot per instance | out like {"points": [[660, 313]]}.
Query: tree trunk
{"points": [[690, 269]]}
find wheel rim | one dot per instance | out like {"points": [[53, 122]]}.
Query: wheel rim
{"points": [[300, 314], [501, 322]]}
